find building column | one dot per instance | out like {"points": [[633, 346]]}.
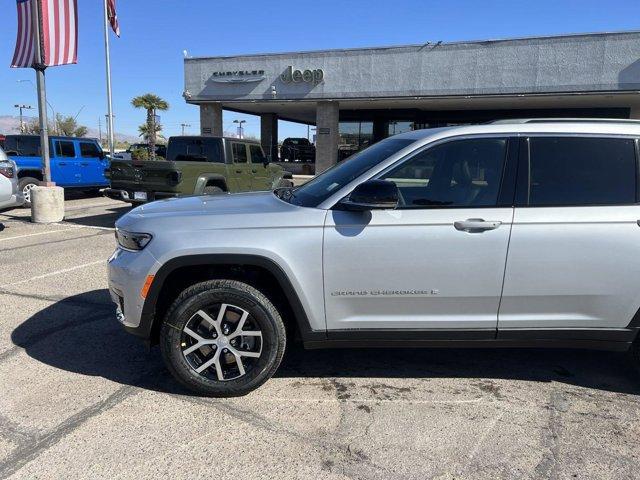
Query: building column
{"points": [[327, 135], [211, 119], [269, 135]]}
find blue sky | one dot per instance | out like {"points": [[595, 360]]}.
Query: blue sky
{"points": [[148, 57]]}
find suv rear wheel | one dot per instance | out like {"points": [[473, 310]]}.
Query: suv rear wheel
{"points": [[25, 184], [222, 338]]}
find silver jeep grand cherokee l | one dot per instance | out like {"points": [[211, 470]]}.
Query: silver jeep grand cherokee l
{"points": [[521, 233]]}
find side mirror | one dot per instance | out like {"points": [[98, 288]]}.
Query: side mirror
{"points": [[372, 195]]}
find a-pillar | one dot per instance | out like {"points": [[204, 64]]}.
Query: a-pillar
{"points": [[211, 119], [327, 135], [269, 135]]}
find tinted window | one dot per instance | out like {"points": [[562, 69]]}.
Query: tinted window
{"points": [[195, 150], [90, 150], [462, 173], [256, 154], [239, 152], [323, 186], [582, 171], [20, 146], [65, 149]]}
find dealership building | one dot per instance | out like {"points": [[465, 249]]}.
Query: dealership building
{"points": [[354, 97]]}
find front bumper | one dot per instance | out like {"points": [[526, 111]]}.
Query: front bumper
{"points": [[127, 273], [129, 195]]}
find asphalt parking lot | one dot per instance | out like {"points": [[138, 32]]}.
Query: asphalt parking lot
{"points": [[79, 398]]}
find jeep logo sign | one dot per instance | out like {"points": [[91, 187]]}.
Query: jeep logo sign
{"points": [[307, 76]]}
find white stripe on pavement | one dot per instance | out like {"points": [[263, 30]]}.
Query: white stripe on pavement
{"points": [[57, 272]]}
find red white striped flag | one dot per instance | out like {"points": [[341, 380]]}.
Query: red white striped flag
{"points": [[113, 16], [59, 33]]}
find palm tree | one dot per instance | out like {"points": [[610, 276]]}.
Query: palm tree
{"points": [[151, 103]]}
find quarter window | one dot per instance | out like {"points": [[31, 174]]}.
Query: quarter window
{"points": [[239, 152], [460, 173], [65, 149], [581, 171]]}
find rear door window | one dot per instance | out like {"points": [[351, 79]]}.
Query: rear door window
{"points": [[195, 150], [581, 171], [19, 146], [239, 152]]}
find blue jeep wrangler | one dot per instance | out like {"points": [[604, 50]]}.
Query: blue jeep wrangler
{"points": [[75, 162]]}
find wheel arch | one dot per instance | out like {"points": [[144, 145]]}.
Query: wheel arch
{"points": [[30, 173], [181, 272], [212, 179]]}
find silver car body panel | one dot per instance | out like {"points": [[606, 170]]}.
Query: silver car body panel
{"points": [[9, 195], [543, 268]]}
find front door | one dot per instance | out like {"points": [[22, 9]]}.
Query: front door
{"points": [[575, 242], [240, 169], [437, 261], [65, 169], [260, 179], [92, 164]]}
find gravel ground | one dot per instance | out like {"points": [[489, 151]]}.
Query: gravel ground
{"points": [[79, 398]]}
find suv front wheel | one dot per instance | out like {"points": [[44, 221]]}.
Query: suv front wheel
{"points": [[222, 338]]}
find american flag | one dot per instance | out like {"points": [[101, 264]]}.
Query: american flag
{"points": [[113, 16], [59, 33]]}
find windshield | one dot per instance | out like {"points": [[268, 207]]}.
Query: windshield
{"points": [[314, 192]]}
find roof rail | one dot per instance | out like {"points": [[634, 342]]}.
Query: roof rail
{"points": [[566, 120]]}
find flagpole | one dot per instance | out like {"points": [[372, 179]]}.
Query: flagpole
{"points": [[42, 94], [108, 63]]}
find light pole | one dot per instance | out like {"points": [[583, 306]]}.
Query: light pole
{"points": [[240, 122], [22, 107], [53, 112], [183, 125]]}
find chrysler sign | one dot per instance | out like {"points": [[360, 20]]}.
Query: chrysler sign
{"points": [[238, 76]]}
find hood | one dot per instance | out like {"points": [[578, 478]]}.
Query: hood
{"points": [[240, 210]]}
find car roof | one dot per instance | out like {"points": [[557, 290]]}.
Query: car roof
{"points": [[245, 140], [52, 137], [529, 126]]}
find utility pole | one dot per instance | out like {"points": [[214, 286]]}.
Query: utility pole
{"points": [[183, 125], [100, 129], [22, 107], [108, 65]]}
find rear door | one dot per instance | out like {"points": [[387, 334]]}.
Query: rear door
{"points": [[65, 169], [260, 178], [241, 168], [92, 163], [575, 242]]}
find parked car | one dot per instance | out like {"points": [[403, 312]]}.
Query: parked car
{"points": [[77, 163], [196, 166], [9, 193], [300, 149], [514, 234], [2, 139]]}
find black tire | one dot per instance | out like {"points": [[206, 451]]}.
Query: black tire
{"points": [[23, 187], [207, 295], [212, 190]]}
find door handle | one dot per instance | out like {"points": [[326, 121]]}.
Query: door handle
{"points": [[238, 171], [254, 171], [84, 164], [62, 164], [476, 225]]}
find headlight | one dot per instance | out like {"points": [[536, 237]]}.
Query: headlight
{"points": [[131, 240]]}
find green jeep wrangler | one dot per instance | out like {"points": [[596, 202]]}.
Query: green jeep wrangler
{"points": [[196, 166]]}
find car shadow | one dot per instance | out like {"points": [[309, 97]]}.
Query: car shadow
{"points": [[104, 220], [80, 334]]}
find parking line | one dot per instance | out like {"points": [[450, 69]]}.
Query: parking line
{"points": [[35, 234], [57, 272]]}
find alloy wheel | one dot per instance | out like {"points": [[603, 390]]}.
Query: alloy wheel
{"points": [[222, 342], [26, 191]]}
